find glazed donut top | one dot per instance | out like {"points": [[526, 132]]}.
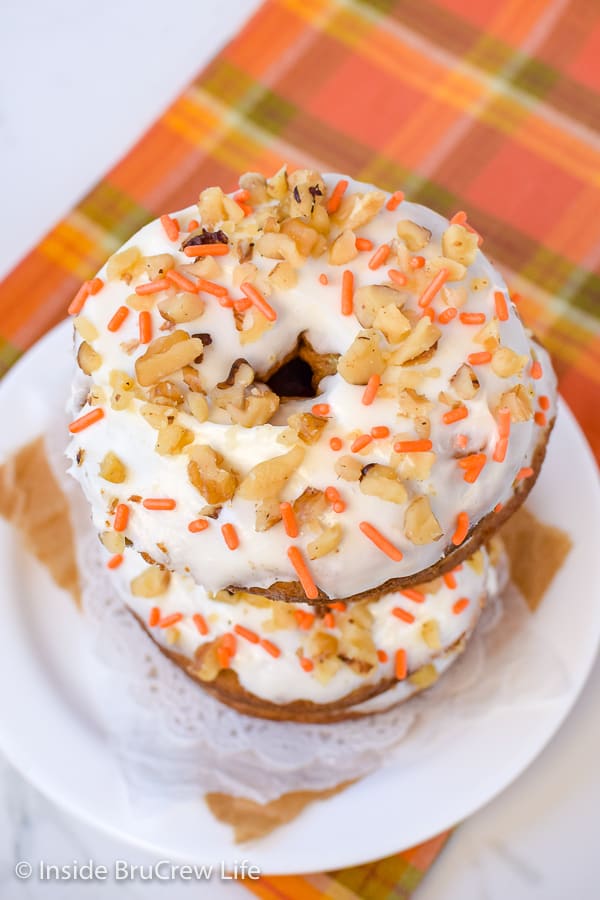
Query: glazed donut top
{"points": [[311, 381]]}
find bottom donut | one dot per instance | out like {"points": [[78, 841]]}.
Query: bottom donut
{"points": [[296, 662]]}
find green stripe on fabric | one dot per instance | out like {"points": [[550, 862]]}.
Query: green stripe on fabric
{"points": [[226, 82], [114, 211], [391, 878], [9, 354], [535, 78]]}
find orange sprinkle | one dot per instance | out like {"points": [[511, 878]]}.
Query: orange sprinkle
{"points": [[473, 465], [400, 665], [380, 541], [459, 218], [500, 449], [87, 288], [462, 528], [243, 194], [433, 287], [307, 664], [171, 227], [323, 278], [461, 441], [363, 244], [209, 287], [361, 442], [382, 656], [449, 580], [479, 359], [193, 224], [270, 647], [498, 507], [154, 617], [321, 409], [525, 472], [516, 298], [395, 200], [229, 643], [242, 304], [160, 503], [246, 633], [118, 318], [412, 594], [289, 519], [472, 318], [403, 614], [304, 620], [303, 573], [121, 517], [429, 312], [397, 276], [380, 431], [539, 418], [333, 204], [331, 494], [200, 623], [371, 389], [153, 287], [115, 561], [230, 534], [328, 620], [420, 446], [416, 262], [207, 250], [347, 293], [339, 506], [501, 307], [536, 370], [145, 326], [455, 415], [198, 525], [447, 315], [259, 301], [460, 605], [170, 620], [544, 402], [339, 606], [336, 443], [85, 421], [504, 420], [380, 256], [226, 650], [181, 281]]}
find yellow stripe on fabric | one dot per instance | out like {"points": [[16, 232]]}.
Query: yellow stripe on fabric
{"points": [[70, 249]]}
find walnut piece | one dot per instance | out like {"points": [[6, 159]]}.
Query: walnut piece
{"points": [[464, 382], [370, 298], [414, 236], [166, 355], [325, 543], [211, 475], [343, 249], [112, 469], [183, 307], [459, 244], [420, 524], [518, 402], [383, 482], [348, 467], [242, 401], [268, 478], [152, 582], [362, 359], [172, 438], [307, 426], [87, 358], [505, 362], [424, 335], [430, 632], [392, 323], [309, 507]]}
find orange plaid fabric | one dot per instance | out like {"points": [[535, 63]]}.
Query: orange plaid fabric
{"points": [[492, 107]]}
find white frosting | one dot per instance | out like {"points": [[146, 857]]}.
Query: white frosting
{"points": [[282, 680], [314, 308]]}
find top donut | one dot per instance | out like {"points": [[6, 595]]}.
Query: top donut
{"points": [[310, 387]]}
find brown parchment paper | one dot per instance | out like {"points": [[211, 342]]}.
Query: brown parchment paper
{"points": [[33, 501]]}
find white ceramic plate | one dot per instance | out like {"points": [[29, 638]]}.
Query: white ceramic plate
{"points": [[51, 731]]}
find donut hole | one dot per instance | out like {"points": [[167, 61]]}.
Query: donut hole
{"points": [[295, 378]]}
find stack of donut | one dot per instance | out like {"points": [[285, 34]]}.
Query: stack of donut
{"points": [[302, 412]]}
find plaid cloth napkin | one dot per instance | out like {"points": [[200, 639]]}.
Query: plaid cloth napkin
{"points": [[489, 107]]}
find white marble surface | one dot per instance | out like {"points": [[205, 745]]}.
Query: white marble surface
{"points": [[79, 80]]}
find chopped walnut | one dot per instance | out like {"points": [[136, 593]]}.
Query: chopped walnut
{"points": [[86, 330], [489, 335], [211, 475], [430, 632], [456, 271], [477, 562], [518, 402], [460, 244], [256, 185], [322, 647], [122, 264], [383, 482], [166, 355], [268, 514], [343, 249], [112, 469], [370, 298], [172, 438], [280, 246], [183, 307], [480, 284], [424, 677], [309, 507], [420, 524], [392, 323], [464, 382], [359, 209], [113, 541], [156, 266], [87, 358], [198, 405], [326, 542], [348, 467], [152, 582], [307, 426], [216, 207], [454, 296], [356, 646], [268, 478], [259, 324], [412, 466], [362, 359], [242, 401], [283, 276], [422, 338], [156, 416], [414, 236], [303, 236], [413, 405], [204, 267], [277, 185], [166, 393], [505, 362]]}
